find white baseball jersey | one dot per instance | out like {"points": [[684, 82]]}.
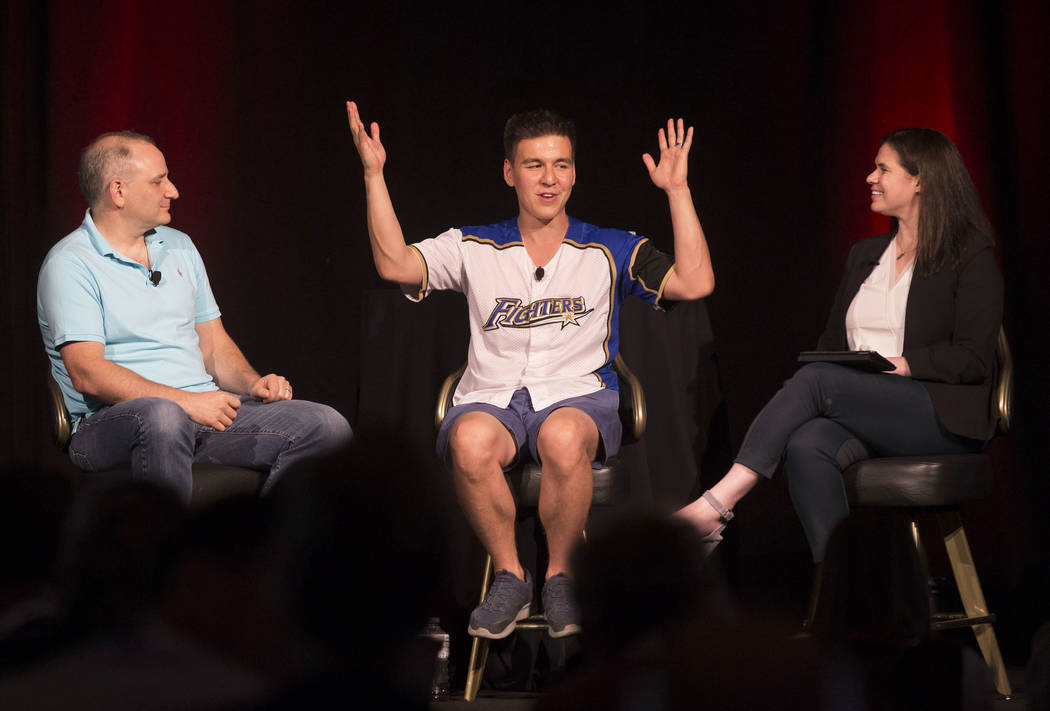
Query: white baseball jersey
{"points": [[555, 335]]}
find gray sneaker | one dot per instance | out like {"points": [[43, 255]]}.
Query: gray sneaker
{"points": [[508, 601], [560, 606]]}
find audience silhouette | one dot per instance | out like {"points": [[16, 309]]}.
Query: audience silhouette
{"points": [[660, 631], [117, 596], [873, 619]]}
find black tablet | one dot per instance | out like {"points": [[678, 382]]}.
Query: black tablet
{"points": [[864, 360]]}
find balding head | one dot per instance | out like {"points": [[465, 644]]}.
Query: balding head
{"points": [[104, 159]]}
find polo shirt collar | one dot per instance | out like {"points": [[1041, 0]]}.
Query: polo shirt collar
{"points": [[105, 249], [99, 242]]}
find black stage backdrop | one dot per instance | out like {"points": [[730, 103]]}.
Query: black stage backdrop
{"points": [[789, 101]]}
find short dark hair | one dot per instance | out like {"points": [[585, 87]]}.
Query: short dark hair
{"points": [[949, 208], [102, 160], [534, 124]]}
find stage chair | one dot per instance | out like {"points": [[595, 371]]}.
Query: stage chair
{"points": [[611, 485], [941, 484], [211, 482]]}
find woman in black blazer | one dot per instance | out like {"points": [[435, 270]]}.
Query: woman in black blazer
{"points": [[927, 295]]}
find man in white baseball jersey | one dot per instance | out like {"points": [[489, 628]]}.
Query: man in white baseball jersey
{"points": [[544, 292]]}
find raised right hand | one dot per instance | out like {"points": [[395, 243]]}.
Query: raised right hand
{"points": [[216, 408], [369, 147]]}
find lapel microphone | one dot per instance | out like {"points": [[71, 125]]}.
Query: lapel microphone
{"points": [[154, 277], [539, 273]]}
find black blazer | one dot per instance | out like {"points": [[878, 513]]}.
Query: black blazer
{"points": [[951, 326]]}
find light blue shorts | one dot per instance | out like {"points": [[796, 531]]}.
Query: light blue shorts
{"points": [[524, 423]]}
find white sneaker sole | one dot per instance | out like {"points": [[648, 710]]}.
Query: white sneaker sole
{"points": [[488, 634], [566, 631]]}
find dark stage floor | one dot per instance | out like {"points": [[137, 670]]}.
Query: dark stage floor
{"points": [[488, 701], [517, 701]]}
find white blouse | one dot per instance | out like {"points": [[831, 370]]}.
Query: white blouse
{"points": [[875, 318]]}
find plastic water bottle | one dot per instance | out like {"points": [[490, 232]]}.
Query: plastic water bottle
{"points": [[439, 687]]}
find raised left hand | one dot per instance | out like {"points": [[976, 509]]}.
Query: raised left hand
{"points": [[672, 171], [271, 388]]}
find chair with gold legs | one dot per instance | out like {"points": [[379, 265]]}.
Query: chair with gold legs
{"points": [[941, 484], [611, 483]]}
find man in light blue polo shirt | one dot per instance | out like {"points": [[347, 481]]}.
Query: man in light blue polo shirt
{"points": [[150, 376]]}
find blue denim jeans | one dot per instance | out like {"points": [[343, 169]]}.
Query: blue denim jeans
{"points": [[827, 417], [157, 440]]}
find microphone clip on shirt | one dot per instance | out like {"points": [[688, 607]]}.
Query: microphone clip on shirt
{"points": [[539, 273], [154, 277]]}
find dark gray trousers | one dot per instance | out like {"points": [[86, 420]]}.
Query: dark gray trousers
{"points": [[825, 418]]}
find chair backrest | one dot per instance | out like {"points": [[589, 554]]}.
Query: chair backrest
{"points": [[632, 399], [633, 415], [1004, 386], [61, 422], [444, 398]]}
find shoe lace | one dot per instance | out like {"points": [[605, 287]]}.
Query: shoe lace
{"points": [[500, 593]]}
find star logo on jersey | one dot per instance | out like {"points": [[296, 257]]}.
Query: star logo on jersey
{"points": [[571, 317], [511, 313]]}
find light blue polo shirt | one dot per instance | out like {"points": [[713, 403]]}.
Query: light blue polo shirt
{"points": [[87, 291]]}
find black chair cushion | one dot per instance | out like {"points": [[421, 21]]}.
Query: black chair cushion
{"points": [[611, 484], [945, 480]]}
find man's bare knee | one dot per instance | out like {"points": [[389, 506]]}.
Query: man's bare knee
{"points": [[479, 442], [567, 439]]}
